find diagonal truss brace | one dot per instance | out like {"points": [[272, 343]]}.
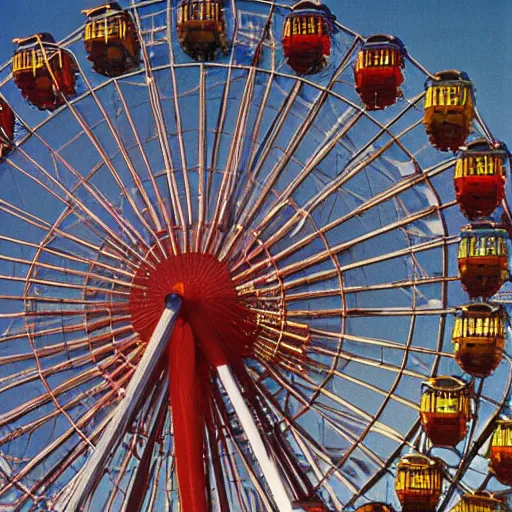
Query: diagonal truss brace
{"points": [[91, 472], [267, 465]]}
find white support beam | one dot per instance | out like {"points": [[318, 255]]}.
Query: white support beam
{"points": [[93, 469], [267, 465]]}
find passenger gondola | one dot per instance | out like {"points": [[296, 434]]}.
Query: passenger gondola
{"points": [[111, 40], [378, 71], [44, 72], [307, 37], [449, 109]]}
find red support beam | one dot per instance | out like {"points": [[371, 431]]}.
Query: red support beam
{"points": [[185, 385]]}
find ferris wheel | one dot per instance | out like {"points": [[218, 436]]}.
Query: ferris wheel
{"points": [[250, 260]]}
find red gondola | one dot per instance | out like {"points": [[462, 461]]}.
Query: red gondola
{"points": [[378, 71], [6, 128], [479, 337], [480, 177], [445, 410], [43, 71], [501, 452], [419, 482], [307, 37], [449, 109], [111, 40], [483, 261]]}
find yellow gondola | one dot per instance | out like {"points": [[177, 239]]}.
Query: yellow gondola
{"points": [[449, 109], [477, 502], [478, 338], [111, 40], [202, 28], [501, 452], [483, 259], [419, 482], [445, 409]]}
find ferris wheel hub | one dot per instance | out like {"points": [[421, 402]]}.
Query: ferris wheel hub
{"points": [[211, 304]]}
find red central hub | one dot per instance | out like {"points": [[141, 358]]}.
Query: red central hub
{"points": [[221, 322], [214, 328]]}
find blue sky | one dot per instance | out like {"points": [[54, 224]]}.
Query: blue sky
{"points": [[461, 34]]}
